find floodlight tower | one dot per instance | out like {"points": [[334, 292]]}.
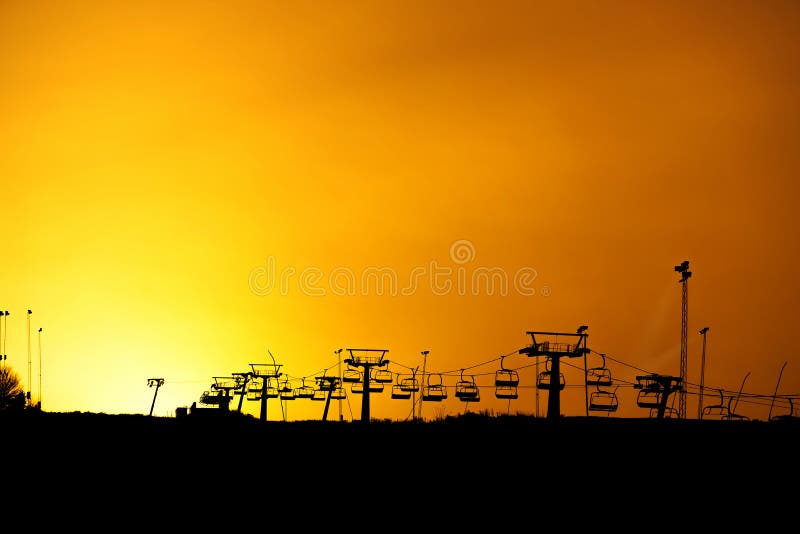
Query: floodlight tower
{"points": [[30, 386], [157, 382], [5, 354], [366, 358], [703, 332], [2, 352], [5, 315], [40, 368], [683, 268]]}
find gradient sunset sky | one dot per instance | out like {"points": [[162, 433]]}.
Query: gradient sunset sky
{"points": [[164, 165]]}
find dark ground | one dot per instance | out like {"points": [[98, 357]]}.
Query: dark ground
{"points": [[504, 460]]}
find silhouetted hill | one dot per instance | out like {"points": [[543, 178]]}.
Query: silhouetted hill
{"points": [[500, 460]]}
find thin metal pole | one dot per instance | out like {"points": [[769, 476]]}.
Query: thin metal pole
{"points": [[776, 391], [536, 386], [2, 340], [30, 385], [414, 393], [5, 338], [40, 368], [702, 375], [155, 394]]}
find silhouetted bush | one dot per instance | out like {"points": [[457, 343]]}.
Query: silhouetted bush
{"points": [[12, 395]]}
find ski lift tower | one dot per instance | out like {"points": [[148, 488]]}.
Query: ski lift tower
{"points": [[157, 382], [366, 358], [242, 378], [554, 346], [329, 385], [224, 385], [265, 372], [654, 391]]}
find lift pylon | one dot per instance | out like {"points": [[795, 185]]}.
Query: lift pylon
{"points": [[554, 346], [157, 382], [366, 359], [265, 372], [654, 391]]}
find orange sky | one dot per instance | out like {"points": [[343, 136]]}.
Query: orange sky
{"points": [[156, 156]]}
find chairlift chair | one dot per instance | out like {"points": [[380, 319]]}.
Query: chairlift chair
{"points": [[383, 376], [599, 376], [505, 378], [603, 400], [467, 390], [399, 393], [271, 392], [351, 374], [716, 411], [286, 392], [409, 383], [435, 392], [304, 391], [649, 392], [506, 392], [401, 390]]}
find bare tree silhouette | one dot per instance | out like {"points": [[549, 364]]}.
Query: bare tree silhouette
{"points": [[12, 394]]}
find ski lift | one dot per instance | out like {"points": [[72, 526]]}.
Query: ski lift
{"points": [[351, 374], [604, 400], [254, 391], [649, 392], [434, 392], [599, 376], [732, 415], [409, 383], [285, 392], [467, 390], [304, 391], [400, 392], [381, 376], [506, 392], [211, 397], [358, 387], [270, 392], [506, 377], [716, 411], [543, 380], [319, 395], [786, 417], [338, 393], [327, 383]]}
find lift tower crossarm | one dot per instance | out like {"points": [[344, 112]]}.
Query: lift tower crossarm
{"points": [[555, 351], [366, 358]]}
